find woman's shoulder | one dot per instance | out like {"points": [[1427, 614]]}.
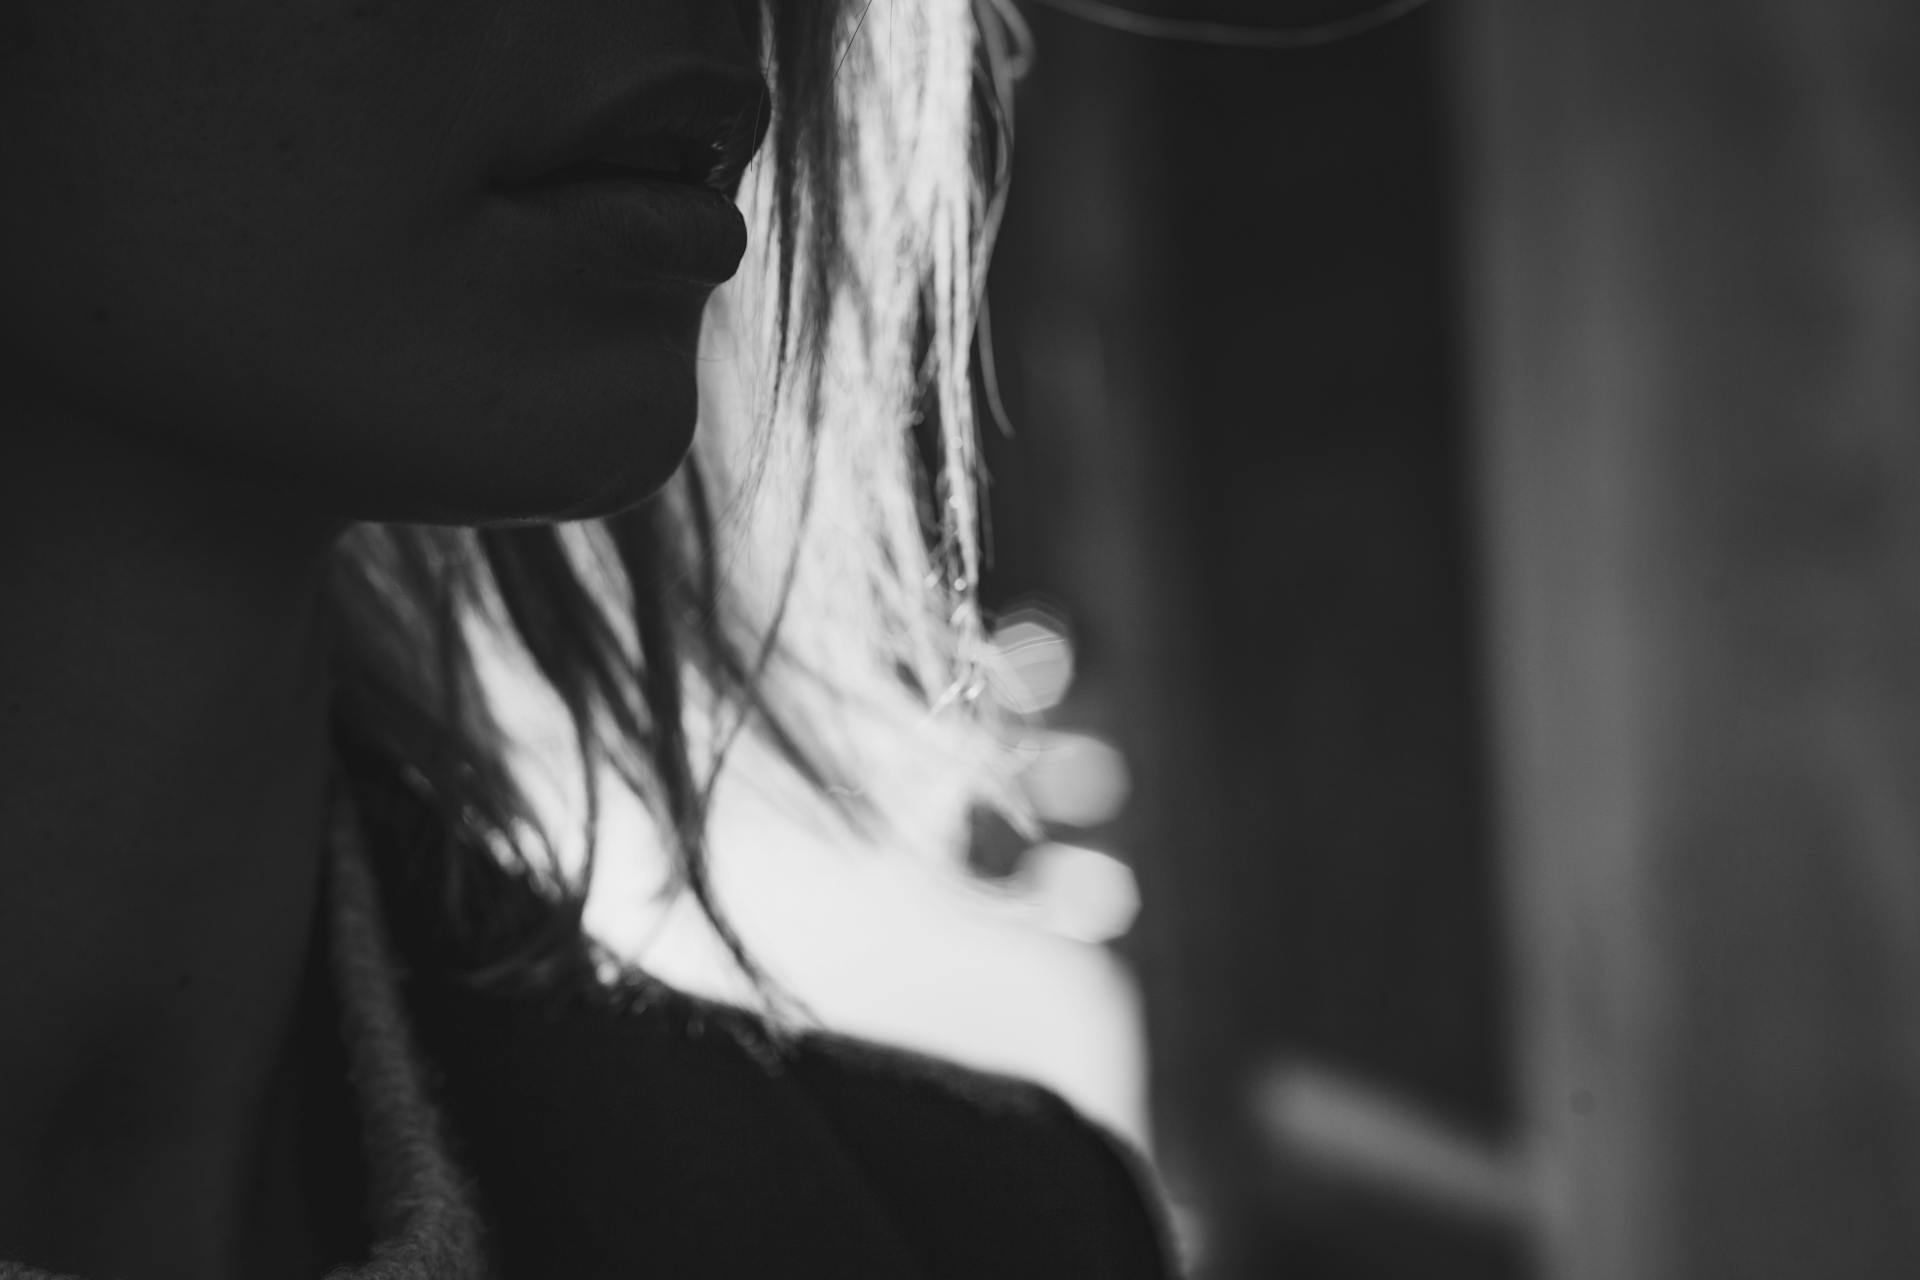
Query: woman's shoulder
{"points": [[618, 1124], [642, 1122], [980, 1163]]}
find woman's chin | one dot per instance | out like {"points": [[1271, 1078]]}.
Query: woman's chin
{"points": [[612, 481], [511, 474], [573, 448]]}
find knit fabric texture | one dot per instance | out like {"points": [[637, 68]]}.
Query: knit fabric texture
{"points": [[421, 1206]]}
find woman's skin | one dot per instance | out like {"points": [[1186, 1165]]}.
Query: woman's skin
{"points": [[250, 293]]}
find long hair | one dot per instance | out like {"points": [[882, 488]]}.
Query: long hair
{"points": [[804, 583]]}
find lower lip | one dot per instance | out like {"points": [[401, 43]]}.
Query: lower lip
{"points": [[618, 229]]}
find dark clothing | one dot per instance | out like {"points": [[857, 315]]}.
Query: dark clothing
{"points": [[572, 1123], [621, 1128]]}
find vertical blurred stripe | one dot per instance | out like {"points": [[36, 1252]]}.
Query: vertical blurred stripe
{"points": [[1694, 243]]}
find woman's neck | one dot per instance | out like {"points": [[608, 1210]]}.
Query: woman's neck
{"points": [[163, 767]]}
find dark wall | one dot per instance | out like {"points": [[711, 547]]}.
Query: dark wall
{"points": [[1224, 320]]}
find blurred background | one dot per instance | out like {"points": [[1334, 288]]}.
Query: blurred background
{"points": [[1459, 543]]}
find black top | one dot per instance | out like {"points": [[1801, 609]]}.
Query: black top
{"points": [[620, 1128], [588, 1122]]}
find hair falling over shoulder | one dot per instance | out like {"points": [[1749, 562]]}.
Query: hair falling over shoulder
{"points": [[804, 587]]}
